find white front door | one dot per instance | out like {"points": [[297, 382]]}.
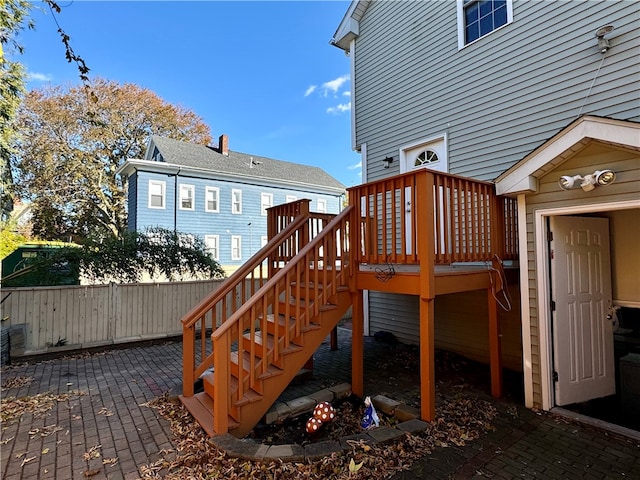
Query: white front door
{"points": [[581, 291]]}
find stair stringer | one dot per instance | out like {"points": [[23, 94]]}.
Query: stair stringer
{"points": [[327, 320]]}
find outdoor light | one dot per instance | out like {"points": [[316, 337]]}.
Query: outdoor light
{"points": [[603, 43], [604, 177], [387, 161], [587, 182]]}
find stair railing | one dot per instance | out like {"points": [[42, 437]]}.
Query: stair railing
{"points": [[217, 307], [313, 275]]}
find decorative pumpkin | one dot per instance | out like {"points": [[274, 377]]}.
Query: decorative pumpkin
{"points": [[324, 412], [313, 425]]}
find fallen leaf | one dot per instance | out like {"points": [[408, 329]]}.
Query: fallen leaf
{"points": [[45, 451], [91, 473]]}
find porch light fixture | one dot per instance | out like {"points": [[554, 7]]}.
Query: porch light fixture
{"points": [[387, 161], [587, 182]]}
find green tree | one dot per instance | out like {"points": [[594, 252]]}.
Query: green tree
{"points": [[13, 15], [126, 259], [72, 144], [10, 239]]}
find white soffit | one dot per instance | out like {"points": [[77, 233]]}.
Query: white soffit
{"points": [[523, 177]]}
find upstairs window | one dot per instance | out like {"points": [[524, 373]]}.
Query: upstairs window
{"points": [[186, 197], [322, 206], [266, 201], [211, 199], [477, 18], [156, 194], [236, 201]]}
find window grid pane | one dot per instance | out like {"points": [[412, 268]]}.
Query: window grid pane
{"points": [[482, 17]]}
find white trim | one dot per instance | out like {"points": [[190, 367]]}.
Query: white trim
{"points": [[163, 193], [525, 319], [206, 199], [233, 201], [352, 76], [441, 140], [192, 189], [542, 286], [237, 238], [269, 203], [461, 24], [216, 239], [321, 205], [290, 198]]}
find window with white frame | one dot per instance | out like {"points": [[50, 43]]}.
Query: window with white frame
{"points": [[322, 205], [236, 247], [157, 191], [477, 18], [428, 153], [263, 240], [266, 201], [186, 197], [290, 198], [236, 201], [211, 199], [212, 244]]}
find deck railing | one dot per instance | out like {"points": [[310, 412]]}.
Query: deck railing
{"points": [[470, 223], [314, 275]]}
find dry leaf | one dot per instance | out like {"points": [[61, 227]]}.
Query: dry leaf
{"points": [[91, 473], [45, 451]]}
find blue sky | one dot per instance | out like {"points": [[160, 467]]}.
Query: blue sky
{"points": [[261, 72]]}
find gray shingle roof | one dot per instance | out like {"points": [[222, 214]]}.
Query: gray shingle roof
{"points": [[240, 164]]}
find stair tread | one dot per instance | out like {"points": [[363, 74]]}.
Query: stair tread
{"points": [[200, 406]]}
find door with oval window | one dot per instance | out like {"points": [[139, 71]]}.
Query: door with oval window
{"points": [[431, 154]]}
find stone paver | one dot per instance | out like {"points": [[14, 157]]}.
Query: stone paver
{"points": [[110, 418]]}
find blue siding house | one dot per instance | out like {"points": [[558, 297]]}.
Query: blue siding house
{"points": [[219, 195]]}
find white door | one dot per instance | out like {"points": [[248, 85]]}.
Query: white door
{"points": [[582, 327]]}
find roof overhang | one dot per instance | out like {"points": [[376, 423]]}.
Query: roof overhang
{"points": [[131, 166], [349, 27], [523, 176]]}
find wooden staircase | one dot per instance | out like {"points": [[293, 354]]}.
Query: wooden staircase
{"points": [[249, 339]]}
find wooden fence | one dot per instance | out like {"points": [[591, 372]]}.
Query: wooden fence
{"points": [[45, 319]]}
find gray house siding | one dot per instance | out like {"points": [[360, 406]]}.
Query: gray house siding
{"points": [[498, 98]]}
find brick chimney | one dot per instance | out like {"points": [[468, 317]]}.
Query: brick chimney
{"points": [[223, 144]]}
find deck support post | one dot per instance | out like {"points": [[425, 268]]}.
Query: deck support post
{"points": [[495, 354], [427, 361], [357, 344]]}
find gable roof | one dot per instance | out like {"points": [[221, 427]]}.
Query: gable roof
{"points": [[523, 176], [208, 162]]}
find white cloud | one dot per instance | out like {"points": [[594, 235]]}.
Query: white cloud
{"points": [[41, 77], [310, 90], [356, 166], [333, 86], [346, 93], [340, 108]]}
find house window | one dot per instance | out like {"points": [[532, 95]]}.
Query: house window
{"points": [[211, 196], [236, 201], [212, 243], [266, 201], [428, 153], [322, 206], [236, 247], [186, 197], [263, 240], [477, 18], [290, 198], [156, 194]]}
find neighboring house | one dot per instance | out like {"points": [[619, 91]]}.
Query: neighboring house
{"points": [[519, 93], [220, 195]]}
